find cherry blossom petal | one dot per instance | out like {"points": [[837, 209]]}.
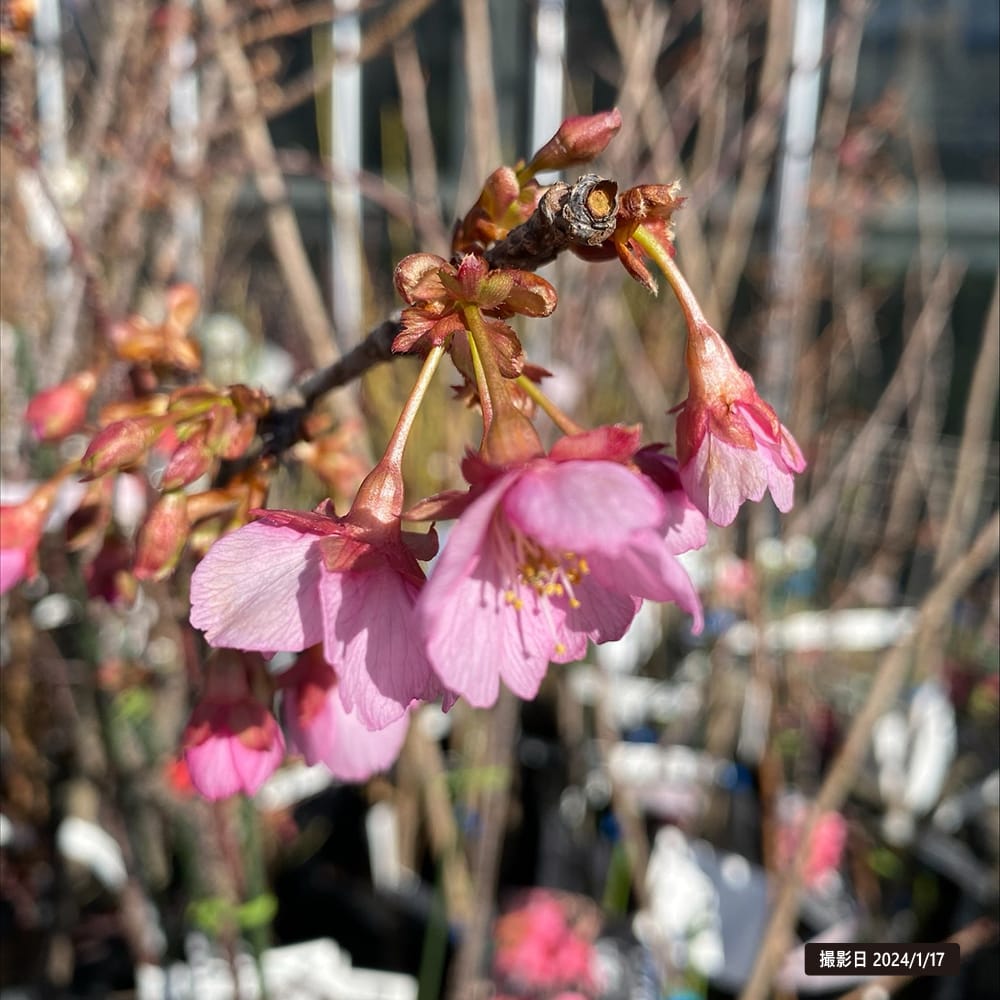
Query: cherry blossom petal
{"points": [[370, 634], [212, 769], [13, 568], [349, 750], [603, 615], [581, 506], [257, 588], [720, 477], [475, 636], [646, 568], [256, 766]]}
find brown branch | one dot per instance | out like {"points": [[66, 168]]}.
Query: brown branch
{"points": [[972, 938], [481, 117], [431, 231], [582, 214], [305, 86], [286, 239], [495, 800], [870, 441], [929, 629], [967, 489]]}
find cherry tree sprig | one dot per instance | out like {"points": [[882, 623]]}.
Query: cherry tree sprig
{"points": [[552, 549]]}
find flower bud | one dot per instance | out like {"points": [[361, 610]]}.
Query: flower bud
{"points": [[162, 538], [21, 527], [231, 743], [191, 459], [118, 445], [578, 140], [54, 413]]}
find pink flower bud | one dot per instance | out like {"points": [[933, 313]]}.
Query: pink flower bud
{"points": [[162, 538], [231, 743], [191, 459], [578, 140], [54, 413], [118, 445]]}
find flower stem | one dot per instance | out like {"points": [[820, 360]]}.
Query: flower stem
{"points": [[565, 423], [509, 437], [489, 381], [692, 311], [380, 496], [397, 443]]}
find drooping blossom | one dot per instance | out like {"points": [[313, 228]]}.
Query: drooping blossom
{"points": [[289, 580], [321, 729], [545, 556], [685, 527], [731, 445], [231, 743]]}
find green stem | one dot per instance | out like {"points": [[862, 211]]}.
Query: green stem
{"points": [[397, 443], [492, 386], [254, 885], [566, 424], [692, 311], [381, 493]]}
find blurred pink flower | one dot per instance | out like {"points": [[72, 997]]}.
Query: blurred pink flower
{"points": [[231, 743], [730, 443], [544, 557], [290, 580], [321, 729], [21, 527], [826, 848], [537, 948], [54, 413]]}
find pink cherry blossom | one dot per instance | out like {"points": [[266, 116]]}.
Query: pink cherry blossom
{"points": [[231, 743], [546, 556], [685, 527], [730, 443], [290, 580], [538, 947], [323, 732]]}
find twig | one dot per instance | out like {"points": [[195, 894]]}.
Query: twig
{"points": [[976, 439], [930, 622], [868, 444], [286, 239], [481, 102], [486, 860], [420, 142], [425, 758], [761, 141], [970, 939], [581, 214], [303, 87]]}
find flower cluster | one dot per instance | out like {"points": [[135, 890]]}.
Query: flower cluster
{"points": [[552, 548], [545, 949]]}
